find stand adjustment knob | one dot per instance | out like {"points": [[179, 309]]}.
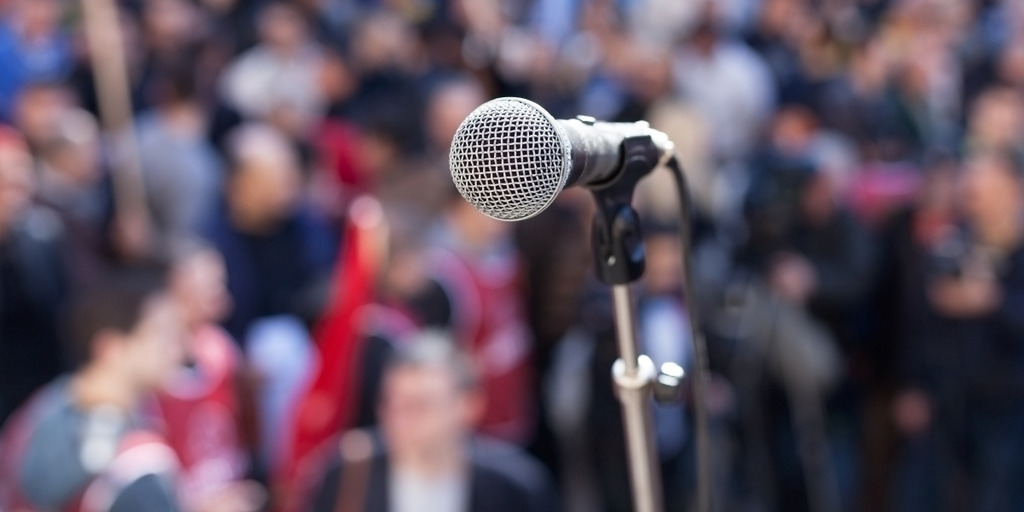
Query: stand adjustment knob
{"points": [[669, 387]]}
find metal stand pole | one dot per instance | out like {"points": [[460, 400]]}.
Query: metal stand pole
{"points": [[619, 261], [634, 375]]}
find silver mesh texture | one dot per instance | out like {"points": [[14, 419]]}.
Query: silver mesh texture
{"points": [[510, 159]]}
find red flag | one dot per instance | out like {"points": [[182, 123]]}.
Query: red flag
{"points": [[327, 406]]}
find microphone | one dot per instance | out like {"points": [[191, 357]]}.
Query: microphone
{"points": [[510, 159]]}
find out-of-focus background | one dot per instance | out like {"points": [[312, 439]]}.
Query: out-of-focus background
{"points": [[855, 174]]}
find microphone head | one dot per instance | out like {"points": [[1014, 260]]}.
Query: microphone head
{"points": [[510, 159]]}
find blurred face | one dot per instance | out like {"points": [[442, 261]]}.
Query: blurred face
{"points": [[38, 111], [265, 191], [1011, 63], [168, 21], [78, 156], [991, 191], [199, 287], [15, 182], [448, 109], [39, 17], [150, 353], [869, 67], [422, 411], [282, 27], [382, 41], [997, 119], [337, 81], [793, 130]]}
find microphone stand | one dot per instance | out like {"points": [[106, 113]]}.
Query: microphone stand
{"points": [[617, 244]]}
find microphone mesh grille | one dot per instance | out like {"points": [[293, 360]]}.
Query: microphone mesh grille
{"points": [[509, 159]]}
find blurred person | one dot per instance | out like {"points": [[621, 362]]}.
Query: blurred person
{"points": [[390, 94], [181, 169], [426, 456], [38, 110], [495, 44], [45, 114], [810, 263], [619, 74], [383, 41], [962, 401], [33, 48], [201, 406], [277, 254], [796, 132], [71, 180], [588, 60], [863, 104], [277, 80], [642, 72], [170, 31], [273, 247], [798, 45], [442, 43], [1010, 63], [476, 293], [906, 239], [812, 250], [32, 280], [929, 86], [82, 443], [728, 83], [170, 27], [996, 121]]}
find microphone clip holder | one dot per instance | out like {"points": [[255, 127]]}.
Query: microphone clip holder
{"points": [[617, 239]]}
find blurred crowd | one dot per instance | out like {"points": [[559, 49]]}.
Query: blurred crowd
{"points": [[296, 310]]}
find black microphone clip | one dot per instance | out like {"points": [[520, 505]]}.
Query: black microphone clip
{"points": [[617, 238]]}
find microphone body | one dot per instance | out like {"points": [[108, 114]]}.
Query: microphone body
{"points": [[596, 150], [510, 158]]}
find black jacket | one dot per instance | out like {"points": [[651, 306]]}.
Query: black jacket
{"points": [[968, 363], [502, 479]]}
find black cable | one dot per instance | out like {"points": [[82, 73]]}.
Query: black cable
{"points": [[700, 351]]}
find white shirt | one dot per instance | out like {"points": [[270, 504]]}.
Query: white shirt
{"points": [[410, 491]]}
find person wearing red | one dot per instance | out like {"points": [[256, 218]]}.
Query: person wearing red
{"points": [[477, 296], [201, 404]]}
